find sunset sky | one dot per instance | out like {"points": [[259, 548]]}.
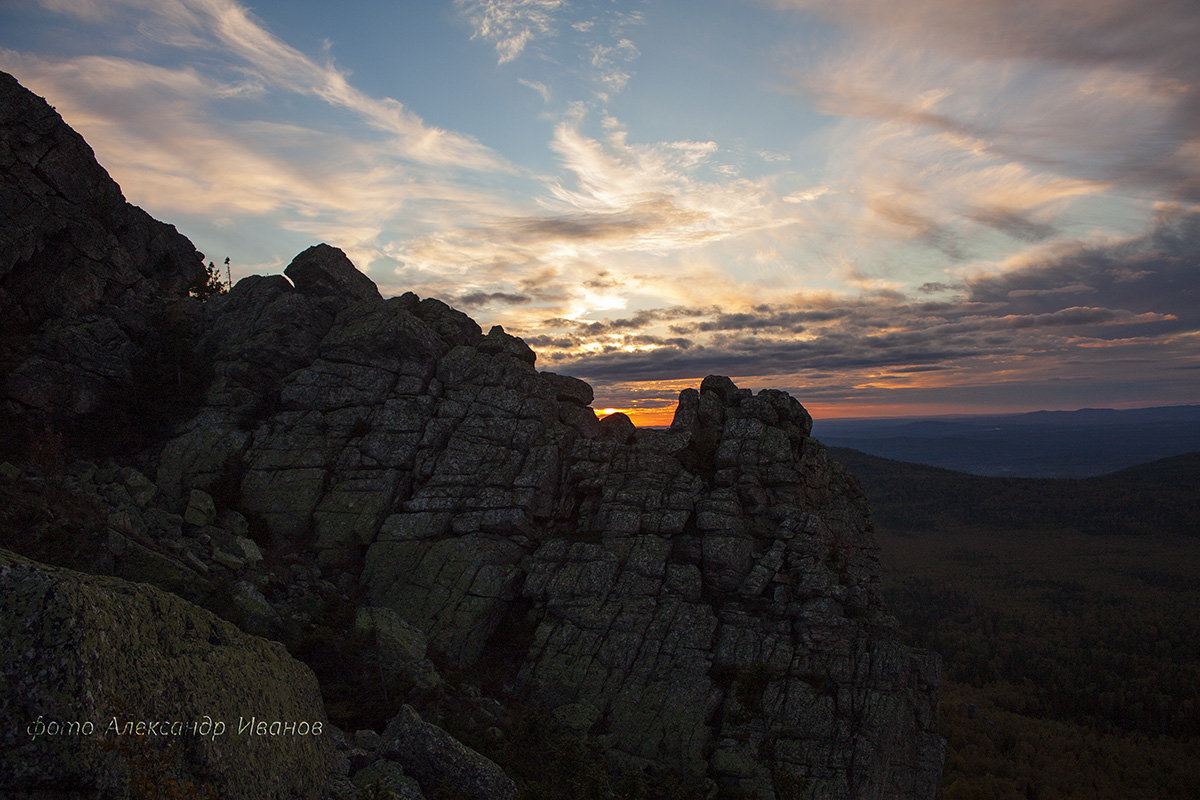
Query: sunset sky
{"points": [[885, 207]]}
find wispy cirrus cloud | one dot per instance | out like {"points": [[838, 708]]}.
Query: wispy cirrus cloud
{"points": [[1158, 33], [510, 24], [597, 48], [975, 134], [1100, 91], [229, 27], [628, 211], [542, 89], [201, 140], [611, 64]]}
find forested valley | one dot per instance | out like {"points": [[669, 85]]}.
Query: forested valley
{"points": [[1067, 613]]}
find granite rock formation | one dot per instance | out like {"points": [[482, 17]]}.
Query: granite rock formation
{"points": [[701, 599], [85, 277], [119, 657]]}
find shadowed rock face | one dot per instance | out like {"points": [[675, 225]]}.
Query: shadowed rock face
{"points": [[324, 272], [85, 648], [82, 272], [701, 598], [708, 592]]}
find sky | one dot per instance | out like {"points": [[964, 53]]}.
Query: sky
{"points": [[884, 207]]}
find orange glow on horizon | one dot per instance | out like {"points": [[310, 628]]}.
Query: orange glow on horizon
{"points": [[644, 417], [661, 416]]}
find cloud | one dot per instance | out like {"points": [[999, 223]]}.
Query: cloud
{"points": [[619, 222], [1111, 319], [1099, 90], [596, 48], [610, 62], [641, 219], [510, 24], [1012, 222], [610, 197], [1157, 33], [542, 89], [657, 187], [638, 321], [1156, 272], [892, 179], [773, 157], [475, 299], [227, 27], [791, 320], [807, 196]]}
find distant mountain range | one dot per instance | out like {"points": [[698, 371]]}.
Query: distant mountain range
{"points": [[1159, 497], [1041, 444]]}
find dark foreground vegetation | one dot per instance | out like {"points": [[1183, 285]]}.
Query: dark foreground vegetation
{"points": [[1068, 616]]}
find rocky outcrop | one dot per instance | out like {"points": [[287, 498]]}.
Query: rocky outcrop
{"points": [[113, 688], [85, 277], [709, 592], [383, 475], [716, 604]]}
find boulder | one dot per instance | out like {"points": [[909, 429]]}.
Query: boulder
{"points": [[112, 686], [401, 646], [387, 776], [324, 271], [440, 762], [201, 510]]}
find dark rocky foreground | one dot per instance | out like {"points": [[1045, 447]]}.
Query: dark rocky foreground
{"points": [[448, 538]]}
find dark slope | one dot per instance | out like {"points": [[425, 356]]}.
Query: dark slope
{"points": [[1065, 611]]}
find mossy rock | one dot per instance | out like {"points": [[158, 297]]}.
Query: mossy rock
{"points": [[106, 655]]}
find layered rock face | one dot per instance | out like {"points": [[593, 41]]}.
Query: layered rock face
{"points": [[702, 598]]}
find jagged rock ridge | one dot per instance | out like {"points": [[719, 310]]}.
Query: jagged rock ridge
{"points": [[701, 598]]}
